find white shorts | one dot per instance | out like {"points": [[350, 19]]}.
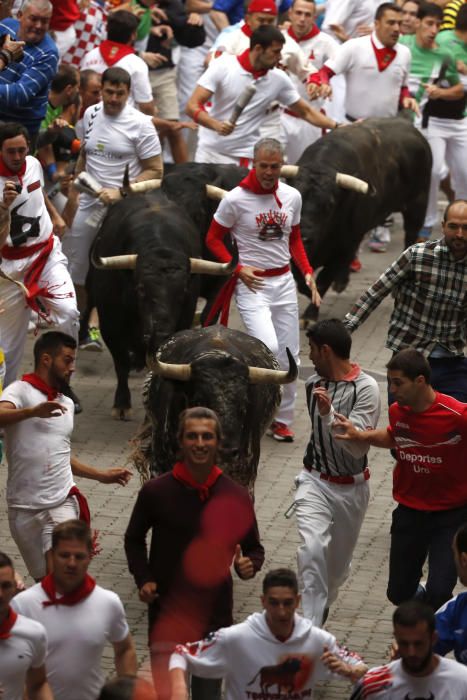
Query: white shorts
{"points": [[32, 532]]}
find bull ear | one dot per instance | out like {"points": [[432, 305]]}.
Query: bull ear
{"points": [[261, 375]]}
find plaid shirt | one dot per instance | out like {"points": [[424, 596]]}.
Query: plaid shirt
{"points": [[430, 307]]}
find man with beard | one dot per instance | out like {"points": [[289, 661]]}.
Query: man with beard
{"points": [[419, 672], [37, 420]]}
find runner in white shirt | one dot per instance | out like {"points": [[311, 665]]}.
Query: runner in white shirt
{"points": [[418, 673], [79, 616], [38, 421], [348, 18], [226, 79], [31, 254], [23, 645]]}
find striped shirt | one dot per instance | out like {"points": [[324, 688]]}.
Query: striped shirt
{"points": [[430, 300], [356, 397], [24, 86]]}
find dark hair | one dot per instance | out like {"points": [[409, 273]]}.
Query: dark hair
{"points": [[411, 363], [456, 201], [332, 332], [198, 412], [5, 561], [66, 75], [460, 539], [121, 25], [51, 343], [386, 7], [72, 530], [10, 130], [127, 688], [429, 9], [266, 35], [310, 2], [412, 612], [461, 19], [415, 2], [116, 76], [85, 76], [280, 577]]}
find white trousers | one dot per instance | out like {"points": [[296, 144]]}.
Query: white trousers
{"points": [[14, 321], [448, 142], [329, 518], [64, 40], [272, 316], [298, 134], [204, 155], [78, 240]]}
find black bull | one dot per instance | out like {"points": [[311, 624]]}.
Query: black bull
{"points": [[281, 675], [211, 367]]}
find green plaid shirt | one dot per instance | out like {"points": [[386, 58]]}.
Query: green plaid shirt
{"points": [[430, 299]]}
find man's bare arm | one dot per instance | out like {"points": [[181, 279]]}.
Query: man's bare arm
{"points": [[153, 169], [10, 415], [345, 430], [195, 109], [220, 19], [125, 657], [37, 685], [311, 115]]}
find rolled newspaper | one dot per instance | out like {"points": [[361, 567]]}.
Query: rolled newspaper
{"points": [[241, 103]]}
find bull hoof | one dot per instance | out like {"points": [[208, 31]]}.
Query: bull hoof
{"points": [[122, 413], [339, 287]]}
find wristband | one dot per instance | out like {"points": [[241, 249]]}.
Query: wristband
{"points": [[201, 108], [50, 169]]}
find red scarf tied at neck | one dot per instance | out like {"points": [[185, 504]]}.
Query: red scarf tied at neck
{"points": [[113, 51], [384, 56], [251, 182], [183, 474], [38, 383], [312, 33], [6, 172], [7, 624], [244, 60], [76, 596]]}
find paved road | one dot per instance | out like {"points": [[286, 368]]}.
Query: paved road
{"points": [[361, 616]]}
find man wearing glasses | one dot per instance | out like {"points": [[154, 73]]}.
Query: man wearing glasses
{"points": [[429, 284]]}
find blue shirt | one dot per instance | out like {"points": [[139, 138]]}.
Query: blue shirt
{"points": [[24, 86], [235, 9], [451, 626]]}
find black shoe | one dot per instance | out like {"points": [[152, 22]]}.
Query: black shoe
{"points": [[68, 391]]}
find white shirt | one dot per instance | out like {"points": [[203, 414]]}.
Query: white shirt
{"points": [[349, 13], [37, 452], [370, 92], [260, 227], [390, 682], [317, 50], [226, 79], [112, 142], [24, 649], [77, 635], [140, 91]]}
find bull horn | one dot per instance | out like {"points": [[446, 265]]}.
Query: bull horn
{"points": [[169, 371], [144, 186], [117, 262], [349, 182], [214, 192], [206, 267], [289, 170], [261, 375]]}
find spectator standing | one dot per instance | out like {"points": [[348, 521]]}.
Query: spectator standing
{"points": [[65, 14], [347, 19], [409, 16], [455, 41]]}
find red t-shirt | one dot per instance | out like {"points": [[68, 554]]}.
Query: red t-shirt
{"points": [[64, 14], [431, 470]]}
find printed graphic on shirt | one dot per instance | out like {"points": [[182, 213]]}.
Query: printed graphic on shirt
{"points": [[270, 225], [288, 676], [23, 227]]}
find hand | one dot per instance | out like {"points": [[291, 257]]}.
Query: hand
{"points": [[163, 31], [148, 592], [345, 428], [394, 651], [412, 104], [20, 585], [248, 277], [59, 225], [195, 19], [311, 284], [177, 126], [461, 67], [342, 668], [115, 475], [325, 91], [14, 47], [433, 92], [224, 128], [58, 123], [339, 31], [153, 59], [323, 400], [313, 91], [243, 565], [108, 195], [48, 409], [9, 193], [364, 29], [66, 181], [158, 14]]}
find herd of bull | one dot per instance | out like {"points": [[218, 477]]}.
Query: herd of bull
{"points": [[150, 264]]}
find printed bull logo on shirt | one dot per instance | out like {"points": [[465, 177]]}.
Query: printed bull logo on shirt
{"points": [[409, 696], [23, 227], [286, 678], [270, 225]]}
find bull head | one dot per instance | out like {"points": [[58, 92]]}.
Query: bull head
{"points": [[257, 375], [198, 266], [84, 182], [347, 182]]}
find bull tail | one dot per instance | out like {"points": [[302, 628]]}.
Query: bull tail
{"points": [[252, 681]]}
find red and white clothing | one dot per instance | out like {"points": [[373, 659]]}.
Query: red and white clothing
{"points": [[431, 454], [31, 241], [24, 647], [227, 77], [372, 90], [253, 661], [391, 682], [350, 14], [64, 15], [110, 144], [140, 91], [77, 635], [266, 229]]}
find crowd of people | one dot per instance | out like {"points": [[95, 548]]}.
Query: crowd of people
{"points": [[94, 98]]}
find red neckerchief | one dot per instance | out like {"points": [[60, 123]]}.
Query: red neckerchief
{"points": [[246, 30], [76, 596], [250, 182], [313, 32], [244, 60], [7, 624], [6, 172], [113, 51], [384, 56], [183, 474], [38, 383]]}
